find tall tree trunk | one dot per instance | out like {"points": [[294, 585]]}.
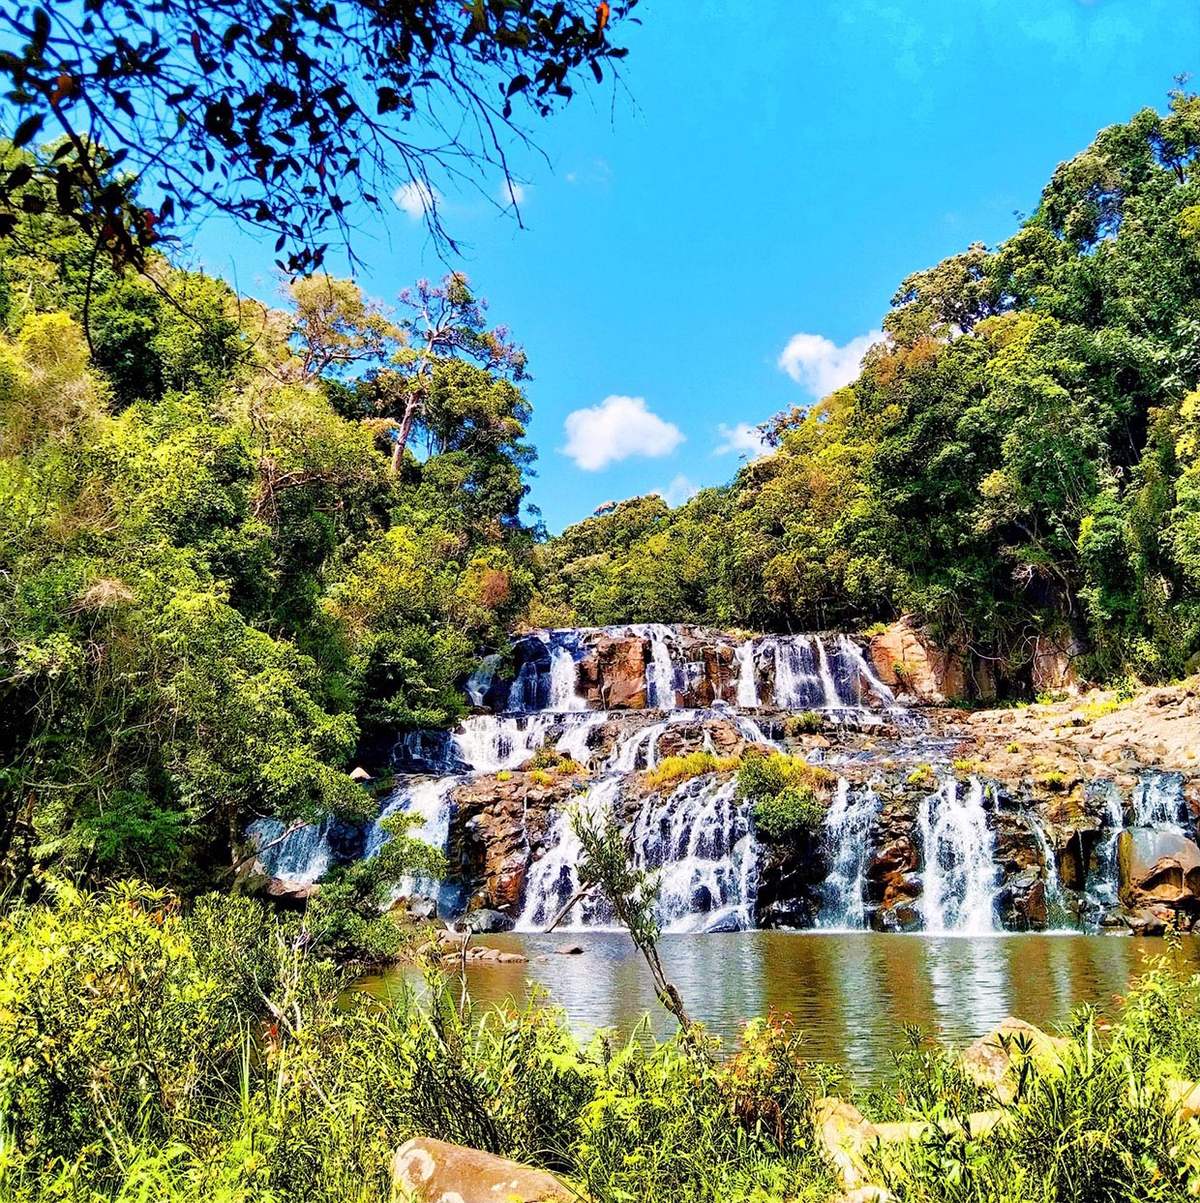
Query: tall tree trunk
{"points": [[406, 424]]}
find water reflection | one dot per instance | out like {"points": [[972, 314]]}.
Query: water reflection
{"points": [[852, 992]]}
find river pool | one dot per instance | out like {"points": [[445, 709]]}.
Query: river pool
{"points": [[850, 992]]}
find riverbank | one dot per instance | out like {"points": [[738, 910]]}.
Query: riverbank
{"points": [[206, 1054]]}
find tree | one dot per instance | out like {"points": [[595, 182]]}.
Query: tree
{"points": [[446, 321], [278, 113]]}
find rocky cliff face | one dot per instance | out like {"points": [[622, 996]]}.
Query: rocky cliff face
{"points": [[1077, 814]]}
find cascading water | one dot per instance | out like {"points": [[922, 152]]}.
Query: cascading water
{"points": [[797, 685], [660, 674], [564, 681], [427, 799], [847, 830], [554, 880], [1158, 802], [1057, 912], [490, 743], [959, 878], [1102, 881], [700, 842], [747, 681], [297, 854]]}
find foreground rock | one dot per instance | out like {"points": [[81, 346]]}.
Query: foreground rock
{"points": [[432, 1171], [991, 1060]]}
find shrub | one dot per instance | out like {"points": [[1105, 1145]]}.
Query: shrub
{"points": [[787, 793], [762, 775], [923, 776], [807, 722], [672, 770]]}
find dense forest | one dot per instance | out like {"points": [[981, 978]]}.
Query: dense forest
{"points": [[1019, 457], [235, 541], [242, 540]]}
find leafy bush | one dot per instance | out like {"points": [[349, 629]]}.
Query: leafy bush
{"points": [[794, 811], [672, 770], [788, 794], [807, 722], [145, 1054]]}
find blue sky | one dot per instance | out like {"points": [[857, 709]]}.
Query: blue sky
{"points": [[718, 240]]}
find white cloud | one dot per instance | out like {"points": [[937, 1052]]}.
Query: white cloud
{"points": [[614, 430], [680, 489], [416, 198], [743, 439], [820, 364], [512, 193]]}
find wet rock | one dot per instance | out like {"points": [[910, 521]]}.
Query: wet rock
{"points": [[612, 673], [485, 921], [1149, 921], [432, 1171], [569, 950], [498, 826], [1021, 902], [1158, 868], [725, 923], [422, 908], [901, 917], [792, 914]]}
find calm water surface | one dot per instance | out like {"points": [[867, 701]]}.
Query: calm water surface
{"points": [[850, 992]]}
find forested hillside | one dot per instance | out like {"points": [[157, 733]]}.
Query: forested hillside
{"points": [[235, 541], [1022, 456], [239, 541]]}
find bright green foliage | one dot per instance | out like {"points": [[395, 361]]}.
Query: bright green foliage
{"points": [[671, 770], [346, 916], [145, 1054], [216, 590], [786, 792], [1019, 458], [148, 1053]]}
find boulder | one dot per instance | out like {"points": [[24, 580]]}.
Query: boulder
{"points": [[988, 1061], [907, 660], [612, 673], [1022, 902], [1158, 868], [486, 921], [727, 922], [569, 950], [432, 1171]]}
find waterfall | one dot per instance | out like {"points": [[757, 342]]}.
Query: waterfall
{"points": [[1158, 802], [847, 831], [577, 733], [660, 673], [797, 686], [852, 656], [564, 680], [298, 859], [555, 878], [1103, 879], [489, 743], [810, 675], [698, 839], [1057, 913], [747, 682], [959, 866], [429, 799], [829, 687]]}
